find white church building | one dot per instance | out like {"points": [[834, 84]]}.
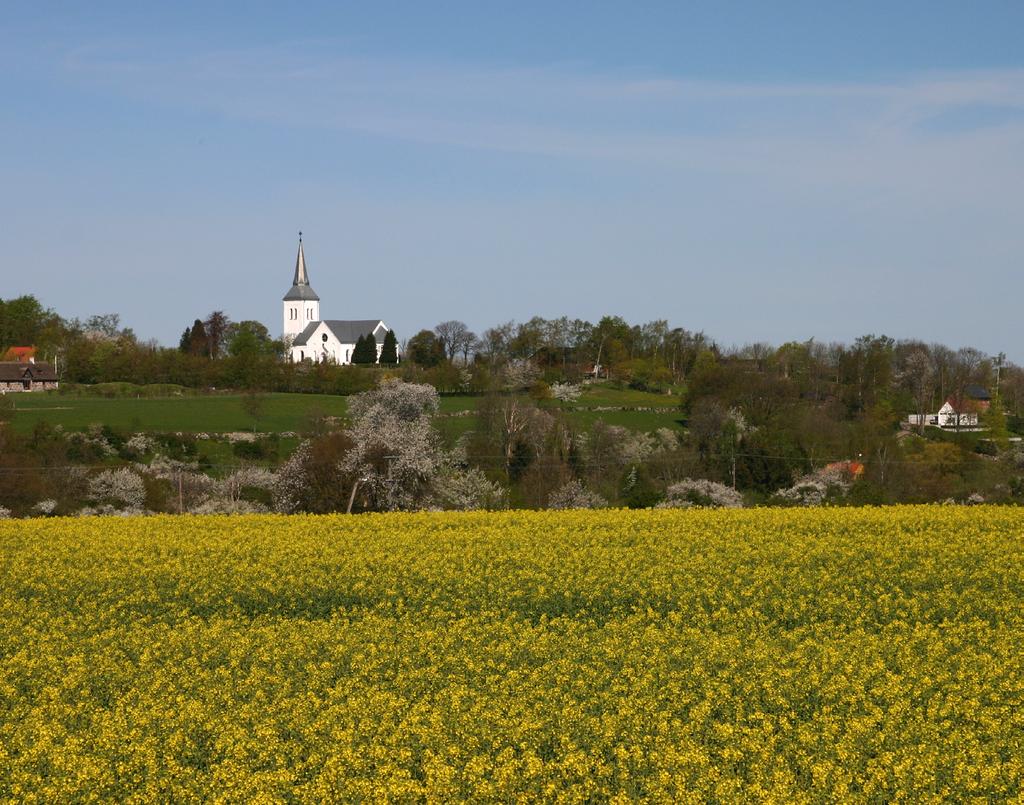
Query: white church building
{"points": [[321, 340]]}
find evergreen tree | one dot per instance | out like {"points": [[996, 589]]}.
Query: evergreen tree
{"points": [[185, 344], [363, 353], [198, 343], [389, 354], [217, 324]]}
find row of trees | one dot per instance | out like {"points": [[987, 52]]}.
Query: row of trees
{"points": [[571, 345], [909, 375]]}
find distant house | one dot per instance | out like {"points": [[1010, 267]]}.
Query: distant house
{"points": [[31, 376], [19, 355], [957, 412], [978, 396], [854, 469]]}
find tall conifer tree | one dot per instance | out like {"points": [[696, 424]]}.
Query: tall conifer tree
{"points": [[365, 351], [389, 352]]}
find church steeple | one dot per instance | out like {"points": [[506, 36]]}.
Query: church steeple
{"points": [[301, 289], [301, 304], [301, 277]]}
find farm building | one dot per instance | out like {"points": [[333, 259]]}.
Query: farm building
{"points": [[19, 355], [31, 376]]}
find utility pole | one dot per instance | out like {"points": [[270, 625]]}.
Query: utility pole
{"points": [[600, 349]]}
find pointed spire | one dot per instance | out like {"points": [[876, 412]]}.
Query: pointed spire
{"points": [[301, 277], [300, 285]]}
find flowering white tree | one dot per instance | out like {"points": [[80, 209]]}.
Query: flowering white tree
{"points": [[290, 480], [189, 487], [665, 439], [394, 400], [396, 452], [45, 507], [566, 392], [228, 494], [138, 445], [613, 445], [817, 487], [701, 492], [520, 374], [467, 490], [120, 488], [576, 496]]}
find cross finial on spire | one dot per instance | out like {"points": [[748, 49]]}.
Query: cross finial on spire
{"points": [[300, 236]]}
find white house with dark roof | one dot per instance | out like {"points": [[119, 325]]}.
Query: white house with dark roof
{"points": [[321, 340], [957, 412]]}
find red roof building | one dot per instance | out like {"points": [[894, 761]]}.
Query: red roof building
{"points": [[20, 354]]}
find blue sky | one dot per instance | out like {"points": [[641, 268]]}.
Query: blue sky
{"points": [[757, 171]]}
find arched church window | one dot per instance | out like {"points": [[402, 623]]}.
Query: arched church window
{"points": [[324, 337]]}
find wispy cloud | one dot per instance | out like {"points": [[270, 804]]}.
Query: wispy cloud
{"points": [[887, 137], [558, 110]]}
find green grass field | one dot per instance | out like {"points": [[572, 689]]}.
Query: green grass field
{"points": [[602, 395], [214, 413], [221, 413]]}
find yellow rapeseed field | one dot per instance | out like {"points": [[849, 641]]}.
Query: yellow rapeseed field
{"points": [[782, 655]]}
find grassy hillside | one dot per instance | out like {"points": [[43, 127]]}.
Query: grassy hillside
{"points": [[287, 412], [213, 413], [867, 655]]}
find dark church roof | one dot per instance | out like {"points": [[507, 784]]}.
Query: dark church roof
{"points": [[301, 289], [347, 332], [975, 392]]}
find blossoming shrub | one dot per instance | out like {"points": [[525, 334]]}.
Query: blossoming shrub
{"points": [[830, 483], [566, 392], [701, 492], [574, 495], [122, 487], [789, 655]]}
